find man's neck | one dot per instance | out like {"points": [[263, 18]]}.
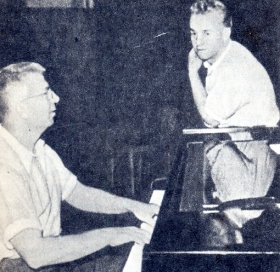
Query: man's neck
{"points": [[220, 54], [26, 136]]}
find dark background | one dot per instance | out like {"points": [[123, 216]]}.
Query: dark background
{"points": [[120, 70]]}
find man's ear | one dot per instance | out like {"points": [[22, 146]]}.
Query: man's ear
{"points": [[226, 33]]}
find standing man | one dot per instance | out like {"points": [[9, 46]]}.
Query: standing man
{"points": [[34, 181], [237, 92]]}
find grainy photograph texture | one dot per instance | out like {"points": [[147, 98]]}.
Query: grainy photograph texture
{"points": [[139, 135]]}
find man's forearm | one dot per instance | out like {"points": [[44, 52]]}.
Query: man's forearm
{"points": [[200, 96], [198, 91], [40, 251], [95, 200]]}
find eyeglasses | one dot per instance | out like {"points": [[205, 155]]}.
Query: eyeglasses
{"points": [[49, 94]]}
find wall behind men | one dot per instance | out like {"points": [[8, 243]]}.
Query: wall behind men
{"points": [[121, 71]]}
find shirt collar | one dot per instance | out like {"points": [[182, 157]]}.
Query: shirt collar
{"points": [[23, 153], [213, 66]]}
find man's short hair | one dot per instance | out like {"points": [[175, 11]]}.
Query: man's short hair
{"points": [[14, 73], [205, 6]]}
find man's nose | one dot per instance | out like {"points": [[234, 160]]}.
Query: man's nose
{"points": [[199, 39], [55, 97]]}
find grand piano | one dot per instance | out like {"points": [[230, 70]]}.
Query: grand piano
{"points": [[183, 238]]}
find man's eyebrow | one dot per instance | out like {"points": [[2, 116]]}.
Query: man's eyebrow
{"points": [[206, 29]]}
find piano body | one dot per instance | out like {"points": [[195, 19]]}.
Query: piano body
{"points": [[180, 240]]}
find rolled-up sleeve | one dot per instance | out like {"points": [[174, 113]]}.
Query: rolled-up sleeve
{"points": [[17, 210]]}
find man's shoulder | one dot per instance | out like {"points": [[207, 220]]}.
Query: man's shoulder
{"points": [[47, 154], [240, 61], [235, 45], [240, 53]]}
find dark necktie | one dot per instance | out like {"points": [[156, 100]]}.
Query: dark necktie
{"points": [[202, 72]]}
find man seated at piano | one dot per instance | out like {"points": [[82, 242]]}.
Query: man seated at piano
{"points": [[237, 92], [34, 181]]}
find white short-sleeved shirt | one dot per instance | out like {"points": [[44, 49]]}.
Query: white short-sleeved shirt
{"points": [[239, 90], [21, 196]]}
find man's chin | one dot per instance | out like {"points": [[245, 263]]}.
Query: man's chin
{"points": [[202, 55], [50, 123], [52, 118], [203, 58]]}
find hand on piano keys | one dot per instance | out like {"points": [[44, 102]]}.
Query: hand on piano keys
{"points": [[134, 261]]}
